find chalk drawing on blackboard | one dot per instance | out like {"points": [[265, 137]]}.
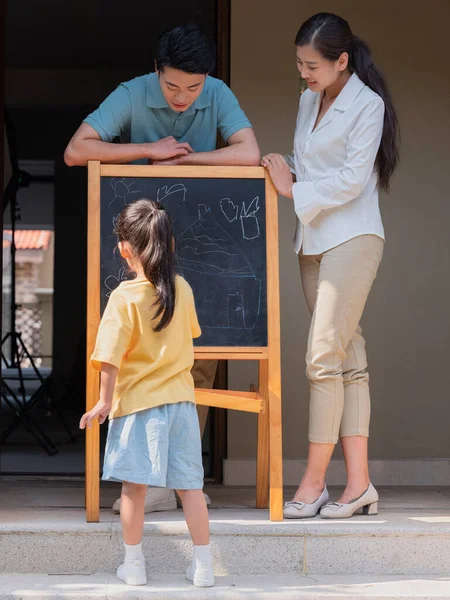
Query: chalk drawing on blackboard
{"points": [[229, 209], [227, 291], [249, 220], [122, 189], [113, 281], [236, 310], [173, 196]]}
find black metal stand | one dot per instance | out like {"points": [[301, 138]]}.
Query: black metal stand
{"points": [[21, 411], [19, 402]]}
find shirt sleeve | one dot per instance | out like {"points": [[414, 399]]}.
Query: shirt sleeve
{"points": [[348, 182], [113, 116], [231, 117], [114, 333], [291, 162]]}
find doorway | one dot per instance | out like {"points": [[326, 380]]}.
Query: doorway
{"points": [[61, 61]]}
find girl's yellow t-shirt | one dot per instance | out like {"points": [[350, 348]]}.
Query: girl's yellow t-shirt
{"points": [[154, 367]]}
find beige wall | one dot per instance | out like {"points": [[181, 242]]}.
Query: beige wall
{"points": [[407, 317]]}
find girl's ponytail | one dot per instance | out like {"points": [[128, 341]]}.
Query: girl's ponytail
{"points": [[158, 262]]}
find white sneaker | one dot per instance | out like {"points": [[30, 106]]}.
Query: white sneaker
{"points": [[200, 573], [156, 499], [132, 572], [207, 500]]}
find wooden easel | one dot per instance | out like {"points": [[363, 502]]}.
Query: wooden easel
{"points": [[265, 402]]}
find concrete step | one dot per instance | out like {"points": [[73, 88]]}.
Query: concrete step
{"points": [[244, 542], [231, 587]]}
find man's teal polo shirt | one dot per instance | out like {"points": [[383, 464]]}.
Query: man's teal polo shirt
{"points": [[137, 112]]}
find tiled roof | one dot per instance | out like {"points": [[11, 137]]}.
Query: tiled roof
{"points": [[30, 239]]}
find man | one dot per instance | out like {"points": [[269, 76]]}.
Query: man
{"points": [[170, 117]]}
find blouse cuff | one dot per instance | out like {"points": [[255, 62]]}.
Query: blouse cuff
{"points": [[306, 206]]}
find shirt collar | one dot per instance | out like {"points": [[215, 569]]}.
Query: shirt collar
{"points": [[155, 97], [348, 93]]}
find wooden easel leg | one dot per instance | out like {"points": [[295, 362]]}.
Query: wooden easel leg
{"points": [[93, 319], [276, 458], [262, 462], [93, 473]]}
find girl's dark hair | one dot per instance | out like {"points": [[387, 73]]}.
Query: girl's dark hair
{"points": [[186, 48], [147, 228], [331, 36]]}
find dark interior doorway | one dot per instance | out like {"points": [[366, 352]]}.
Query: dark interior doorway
{"points": [[61, 60]]}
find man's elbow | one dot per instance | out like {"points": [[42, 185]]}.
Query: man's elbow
{"points": [[255, 159], [72, 158], [69, 157], [252, 157]]}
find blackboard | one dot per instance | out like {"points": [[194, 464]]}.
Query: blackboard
{"points": [[220, 231]]}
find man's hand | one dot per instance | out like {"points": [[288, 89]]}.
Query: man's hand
{"points": [[100, 410], [280, 173], [167, 148]]}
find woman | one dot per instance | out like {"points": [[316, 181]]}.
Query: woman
{"points": [[345, 149]]}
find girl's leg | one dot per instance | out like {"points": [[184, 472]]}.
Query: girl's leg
{"points": [[132, 512], [196, 515], [132, 570], [200, 571]]}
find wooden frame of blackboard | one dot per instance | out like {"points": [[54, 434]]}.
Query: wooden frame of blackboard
{"points": [[265, 401]]}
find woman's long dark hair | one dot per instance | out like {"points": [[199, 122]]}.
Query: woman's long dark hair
{"points": [[146, 227], [331, 36]]}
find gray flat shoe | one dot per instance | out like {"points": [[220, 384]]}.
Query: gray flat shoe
{"points": [[366, 504], [301, 510]]}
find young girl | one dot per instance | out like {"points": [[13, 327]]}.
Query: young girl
{"points": [[345, 150], [145, 353]]}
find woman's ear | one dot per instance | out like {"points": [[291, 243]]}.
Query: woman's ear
{"points": [[343, 61]]}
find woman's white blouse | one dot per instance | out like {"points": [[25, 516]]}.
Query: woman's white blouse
{"points": [[336, 193]]}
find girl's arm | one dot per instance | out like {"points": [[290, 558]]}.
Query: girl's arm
{"points": [[103, 407]]}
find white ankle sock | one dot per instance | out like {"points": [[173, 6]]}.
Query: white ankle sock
{"points": [[202, 553], [133, 552]]}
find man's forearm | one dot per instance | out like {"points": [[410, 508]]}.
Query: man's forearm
{"points": [[234, 155], [79, 152]]}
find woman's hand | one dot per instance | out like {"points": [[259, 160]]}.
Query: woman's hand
{"points": [[280, 173], [100, 410]]}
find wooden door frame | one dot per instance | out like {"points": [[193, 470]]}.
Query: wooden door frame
{"points": [[219, 415]]}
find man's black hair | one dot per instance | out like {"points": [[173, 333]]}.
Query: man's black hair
{"points": [[186, 48]]}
